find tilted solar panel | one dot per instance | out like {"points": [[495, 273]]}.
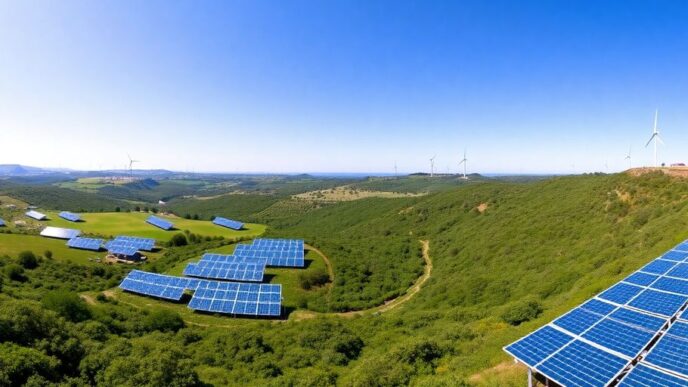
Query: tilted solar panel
{"points": [[292, 257], [60, 233], [211, 257], [85, 243], [240, 271], [69, 216], [642, 279], [36, 215], [653, 301], [580, 364], [122, 250], [146, 244], [679, 271], [229, 223], [671, 351], [644, 376], [2, 223], [658, 266], [160, 223], [240, 299], [675, 255], [621, 293], [539, 345]]}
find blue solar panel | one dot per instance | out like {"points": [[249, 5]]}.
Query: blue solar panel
{"points": [[580, 364], [642, 279], [671, 285], [146, 244], [673, 255], [2, 223], [679, 271], [122, 250], [69, 216], [242, 299], [644, 376], [229, 223], [290, 255], [599, 307], [659, 302], [619, 337], [658, 266], [211, 257], [684, 315], [682, 246], [621, 293], [578, 320], [85, 243], [161, 223], [671, 352], [240, 271], [157, 285], [637, 319], [540, 344]]}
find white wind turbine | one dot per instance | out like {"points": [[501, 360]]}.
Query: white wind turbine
{"points": [[655, 136], [628, 157], [131, 163], [432, 166], [463, 161]]}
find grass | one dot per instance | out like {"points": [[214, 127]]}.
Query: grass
{"points": [[134, 224], [13, 244]]}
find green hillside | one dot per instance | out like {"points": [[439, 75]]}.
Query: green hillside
{"points": [[507, 258]]}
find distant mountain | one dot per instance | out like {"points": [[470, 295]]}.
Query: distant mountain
{"points": [[21, 170]]}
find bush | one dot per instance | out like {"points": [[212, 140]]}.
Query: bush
{"points": [[15, 272], [163, 320], [28, 260], [67, 304], [179, 239], [522, 312], [48, 254], [314, 278]]}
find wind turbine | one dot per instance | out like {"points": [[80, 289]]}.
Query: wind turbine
{"points": [[395, 169], [131, 163], [463, 161], [655, 136], [432, 166], [628, 157]]}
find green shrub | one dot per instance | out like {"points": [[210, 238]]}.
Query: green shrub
{"points": [[178, 239], [15, 272], [163, 320], [313, 279], [28, 260], [522, 312], [67, 304], [48, 254]]}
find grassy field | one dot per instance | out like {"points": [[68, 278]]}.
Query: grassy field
{"points": [[134, 224], [13, 244]]}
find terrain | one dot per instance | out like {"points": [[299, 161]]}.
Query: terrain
{"points": [[506, 257]]}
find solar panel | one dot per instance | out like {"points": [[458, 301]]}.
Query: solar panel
{"points": [[69, 216], [537, 346], [122, 250], [674, 255], [671, 285], [599, 307], [229, 223], [637, 319], [242, 299], [157, 285], [683, 246], [2, 223], [619, 337], [644, 376], [684, 315], [240, 271], [161, 223], [146, 244], [211, 257], [36, 215], [671, 351], [666, 304], [85, 243], [679, 271], [277, 252], [578, 320], [642, 279], [621, 293], [581, 364], [60, 233], [658, 266]]}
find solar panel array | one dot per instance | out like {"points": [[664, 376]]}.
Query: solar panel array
{"points": [[123, 250], [69, 216], [229, 223], [212, 257], [161, 223], [2, 222], [238, 271], [36, 215], [145, 244], [599, 341], [277, 252], [85, 243], [60, 233], [209, 296], [238, 298]]}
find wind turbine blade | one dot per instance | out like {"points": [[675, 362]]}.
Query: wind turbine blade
{"points": [[660, 139], [650, 140], [655, 127]]}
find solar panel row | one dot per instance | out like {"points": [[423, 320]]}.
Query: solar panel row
{"points": [[85, 243], [69, 216], [211, 257], [209, 296], [146, 244], [160, 223], [240, 271], [277, 252], [229, 223], [60, 233], [36, 215], [594, 343]]}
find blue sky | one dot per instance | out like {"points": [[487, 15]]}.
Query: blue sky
{"points": [[342, 86]]}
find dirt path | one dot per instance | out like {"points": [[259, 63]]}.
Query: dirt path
{"points": [[387, 306]]}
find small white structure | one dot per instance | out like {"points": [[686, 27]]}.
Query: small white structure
{"points": [[36, 215]]}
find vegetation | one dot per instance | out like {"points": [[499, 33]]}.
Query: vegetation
{"points": [[507, 258]]}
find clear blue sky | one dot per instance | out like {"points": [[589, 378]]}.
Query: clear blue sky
{"points": [[342, 86]]}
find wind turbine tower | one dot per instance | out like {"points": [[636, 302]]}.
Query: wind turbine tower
{"points": [[131, 164], [395, 169], [655, 136], [432, 166], [463, 161]]}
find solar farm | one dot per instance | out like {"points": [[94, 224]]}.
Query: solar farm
{"points": [[209, 280], [633, 334]]}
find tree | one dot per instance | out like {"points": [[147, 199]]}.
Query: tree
{"points": [[179, 239], [28, 260], [17, 364], [117, 209], [137, 209], [15, 272], [67, 304], [163, 320], [195, 217]]}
